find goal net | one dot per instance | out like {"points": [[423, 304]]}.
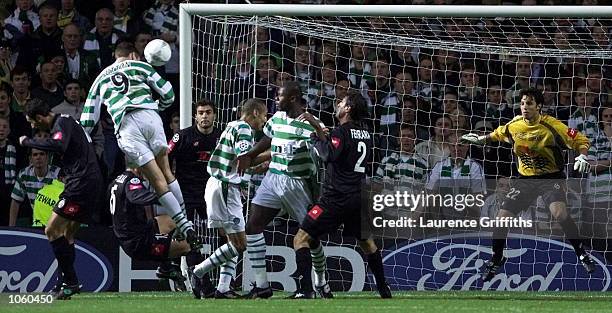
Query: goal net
{"points": [[428, 81]]}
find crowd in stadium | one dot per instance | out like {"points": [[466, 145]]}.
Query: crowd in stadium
{"points": [[421, 100]]}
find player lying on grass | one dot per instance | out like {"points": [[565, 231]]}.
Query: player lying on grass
{"points": [[222, 195], [125, 88], [287, 185], [538, 141], [347, 152]]}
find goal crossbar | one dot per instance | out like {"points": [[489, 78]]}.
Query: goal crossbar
{"points": [[187, 10]]}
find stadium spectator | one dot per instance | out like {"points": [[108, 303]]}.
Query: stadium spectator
{"points": [[321, 95], [46, 39], [22, 21], [17, 121], [175, 122], [330, 51], [50, 90], [20, 82], [46, 198], [414, 114], [72, 104], [522, 80], [601, 36], [377, 87], [449, 103], [267, 68], [162, 18], [564, 98], [599, 188], [125, 19], [597, 85], [425, 87], [359, 65], [68, 14], [101, 40], [496, 158], [7, 61], [29, 181], [80, 64], [457, 174], [303, 67], [585, 117], [470, 93], [405, 166], [446, 68], [436, 148], [495, 109], [460, 120], [8, 167]]}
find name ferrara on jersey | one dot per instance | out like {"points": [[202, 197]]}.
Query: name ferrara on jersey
{"points": [[122, 86], [290, 146], [347, 155], [236, 139]]}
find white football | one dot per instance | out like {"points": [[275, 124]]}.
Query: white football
{"points": [[157, 52]]}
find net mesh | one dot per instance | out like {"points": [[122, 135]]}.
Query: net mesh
{"points": [[427, 80]]}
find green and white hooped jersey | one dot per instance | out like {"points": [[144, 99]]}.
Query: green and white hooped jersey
{"points": [[290, 146], [123, 86], [236, 139]]}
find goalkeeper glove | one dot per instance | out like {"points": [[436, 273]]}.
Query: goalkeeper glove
{"points": [[581, 164], [473, 139]]}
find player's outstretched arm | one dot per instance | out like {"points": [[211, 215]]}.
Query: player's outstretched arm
{"points": [[91, 109], [475, 139]]}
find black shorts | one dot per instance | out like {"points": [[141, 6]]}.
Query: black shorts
{"points": [[150, 246], [525, 190], [330, 212], [73, 209]]}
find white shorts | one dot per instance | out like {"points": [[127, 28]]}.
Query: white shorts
{"points": [[141, 136], [292, 195], [223, 206]]}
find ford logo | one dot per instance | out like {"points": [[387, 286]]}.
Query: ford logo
{"points": [[27, 264], [453, 263]]}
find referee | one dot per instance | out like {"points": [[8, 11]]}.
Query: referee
{"points": [[538, 141]]}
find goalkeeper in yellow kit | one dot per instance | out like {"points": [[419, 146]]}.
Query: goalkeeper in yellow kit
{"points": [[538, 141]]}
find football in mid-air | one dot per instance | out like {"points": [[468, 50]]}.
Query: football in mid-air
{"points": [[157, 52]]}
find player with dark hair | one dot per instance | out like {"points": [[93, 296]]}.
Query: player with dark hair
{"points": [[538, 141], [83, 181], [288, 184], [190, 149], [142, 235], [347, 152]]}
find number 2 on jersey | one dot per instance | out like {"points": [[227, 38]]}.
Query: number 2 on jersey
{"points": [[361, 148]]}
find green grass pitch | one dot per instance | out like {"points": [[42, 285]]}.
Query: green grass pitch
{"points": [[421, 302]]}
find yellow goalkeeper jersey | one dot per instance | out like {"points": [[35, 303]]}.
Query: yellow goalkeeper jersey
{"points": [[539, 144]]}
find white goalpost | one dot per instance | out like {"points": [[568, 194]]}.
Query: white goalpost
{"points": [[439, 71]]}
